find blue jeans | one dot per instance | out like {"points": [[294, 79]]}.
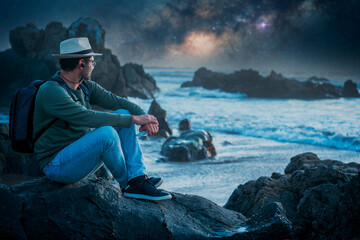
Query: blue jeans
{"points": [[116, 147]]}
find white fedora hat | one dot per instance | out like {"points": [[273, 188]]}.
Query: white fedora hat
{"points": [[75, 48]]}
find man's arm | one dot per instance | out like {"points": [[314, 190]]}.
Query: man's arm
{"points": [[56, 102], [110, 101]]}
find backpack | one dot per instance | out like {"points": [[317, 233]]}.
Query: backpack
{"points": [[22, 114]]}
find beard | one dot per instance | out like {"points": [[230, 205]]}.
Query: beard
{"points": [[85, 75]]}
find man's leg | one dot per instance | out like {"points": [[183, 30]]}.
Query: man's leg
{"points": [[86, 155], [140, 186], [131, 149]]}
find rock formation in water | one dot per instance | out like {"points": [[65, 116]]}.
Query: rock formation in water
{"points": [[275, 85], [320, 199], [29, 58], [191, 145], [161, 115]]}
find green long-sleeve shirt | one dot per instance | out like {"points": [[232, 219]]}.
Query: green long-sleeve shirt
{"points": [[75, 115]]}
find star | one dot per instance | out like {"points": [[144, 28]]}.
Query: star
{"points": [[263, 25]]}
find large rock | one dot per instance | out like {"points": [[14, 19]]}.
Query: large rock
{"points": [[30, 58], [275, 85], [95, 209], [138, 83], [191, 145], [312, 193], [14, 162], [350, 89], [161, 115]]}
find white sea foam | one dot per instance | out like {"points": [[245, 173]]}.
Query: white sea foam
{"points": [[252, 137], [242, 229], [330, 122]]}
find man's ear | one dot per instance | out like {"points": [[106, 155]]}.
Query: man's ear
{"points": [[82, 64]]}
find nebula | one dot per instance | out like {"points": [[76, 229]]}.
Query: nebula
{"points": [[262, 34]]}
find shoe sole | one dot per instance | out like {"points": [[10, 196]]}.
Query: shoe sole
{"points": [[159, 183], [146, 197]]}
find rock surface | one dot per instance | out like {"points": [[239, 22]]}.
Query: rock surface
{"points": [[161, 115], [275, 85], [191, 145], [320, 198], [138, 83], [94, 209], [14, 162], [30, 58]]}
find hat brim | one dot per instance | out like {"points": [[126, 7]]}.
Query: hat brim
{"points": [[75, 55]]}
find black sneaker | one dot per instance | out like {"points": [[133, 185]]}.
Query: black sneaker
{"points": [[156, 181], [141, 188]]}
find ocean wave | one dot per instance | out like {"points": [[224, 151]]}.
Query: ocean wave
{"points": [[308, 135], [202, 93]]}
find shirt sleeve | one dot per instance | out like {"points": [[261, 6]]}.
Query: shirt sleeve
{"points": [[108, 100], [57, 102]]}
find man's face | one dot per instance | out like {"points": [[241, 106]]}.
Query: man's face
{"points": [[86, 74]]}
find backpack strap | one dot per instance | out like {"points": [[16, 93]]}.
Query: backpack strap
{"points": [[83, 87], [86, 91], [62, 83]]}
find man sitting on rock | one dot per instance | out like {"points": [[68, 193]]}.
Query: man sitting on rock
{"points": [[80, 140]]}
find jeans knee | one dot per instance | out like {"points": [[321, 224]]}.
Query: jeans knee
{"points": [[107, 134]]}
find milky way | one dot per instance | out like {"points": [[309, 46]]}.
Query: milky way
{"points": [[261, 34]]}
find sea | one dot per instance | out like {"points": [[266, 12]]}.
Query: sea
{"points": [[253, 137]]}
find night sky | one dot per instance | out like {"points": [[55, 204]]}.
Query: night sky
{"points": [[315, 36]]}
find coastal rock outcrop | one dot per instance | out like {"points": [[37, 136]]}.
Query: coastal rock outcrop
{"points": [[95, 209], [320, 198], [138, 83], [30, 58], [161, 115], [350, 89], [275, 85], [191, 145]]}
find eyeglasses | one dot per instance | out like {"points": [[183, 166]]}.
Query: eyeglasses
{"points": [[92, 62]]}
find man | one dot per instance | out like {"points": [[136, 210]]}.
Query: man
{"points": [[80, 140]]}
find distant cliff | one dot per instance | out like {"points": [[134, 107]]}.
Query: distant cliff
{"points": [[275, 85], [30, 58]]}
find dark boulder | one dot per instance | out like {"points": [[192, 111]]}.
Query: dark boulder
{"points": [[350, 89], [275, 85], [191, 145], [185, 125], [161, 115], [10, 220], [138, 83], [312, 193], [30, 58], [13, 162], [94, 209], [270, 222]]}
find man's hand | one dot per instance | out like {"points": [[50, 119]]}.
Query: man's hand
{"points": [[150, 128], [144, 119]]}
